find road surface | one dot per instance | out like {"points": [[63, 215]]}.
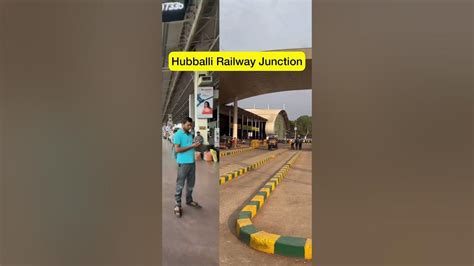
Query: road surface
{"points": [[292, 198], [193, 238]]}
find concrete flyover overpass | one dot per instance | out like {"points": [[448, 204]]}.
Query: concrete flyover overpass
{"points": [[199, 31], [243, 85]]}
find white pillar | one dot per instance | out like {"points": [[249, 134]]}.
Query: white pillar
{"points": [[244, 121], [215, 130], [258, 126], [217, 107], [247, 126], [199, 123], [242, 128], [235, 118], [191, 106], [230, 123], [254, 124]]}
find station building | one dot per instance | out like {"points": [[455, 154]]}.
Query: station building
{"points": [[277, 121], [253, 123]]}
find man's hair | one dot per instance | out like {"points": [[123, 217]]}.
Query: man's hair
{"points": [[187, 119], [198, 132]]}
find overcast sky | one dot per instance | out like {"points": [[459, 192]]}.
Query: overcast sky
{"points": [[257, 25], [297, 103]]}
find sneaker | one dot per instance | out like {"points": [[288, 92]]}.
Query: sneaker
{"points": [[178, 211]]}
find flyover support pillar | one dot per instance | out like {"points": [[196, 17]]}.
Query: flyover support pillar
{"points": [[200, 124], [191, 106], [235, 120]]}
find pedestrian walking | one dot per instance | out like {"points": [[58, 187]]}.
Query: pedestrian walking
{"points": [[185, 157], [299, 143], [199, 139]]}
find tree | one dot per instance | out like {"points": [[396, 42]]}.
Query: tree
{"points": [[303, 125]]}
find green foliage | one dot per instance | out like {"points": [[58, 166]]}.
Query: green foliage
{"points": [[303, 125]]}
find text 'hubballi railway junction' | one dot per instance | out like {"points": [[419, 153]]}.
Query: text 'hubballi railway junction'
{"points": [[237, 61]]}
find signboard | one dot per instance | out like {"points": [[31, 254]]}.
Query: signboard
{"points": [[173, 10], [204, 102]]}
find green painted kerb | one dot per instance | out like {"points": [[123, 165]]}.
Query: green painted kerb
{"points": [[290, 246]]}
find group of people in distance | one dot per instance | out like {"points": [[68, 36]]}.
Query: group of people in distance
{"points": [[297, 143]]}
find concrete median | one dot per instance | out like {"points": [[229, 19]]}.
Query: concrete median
{"points": [[268, 242], [242, 170], [223, 154]]}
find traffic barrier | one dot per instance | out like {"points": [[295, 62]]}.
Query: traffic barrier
{"points": [[264, 241], [232, 175], [233, 152], [255, 143]]}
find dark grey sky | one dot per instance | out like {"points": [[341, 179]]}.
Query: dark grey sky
{"points": [[297, 103]]}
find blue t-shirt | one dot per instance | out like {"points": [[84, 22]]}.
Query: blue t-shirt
{"points": [[184, 140]]}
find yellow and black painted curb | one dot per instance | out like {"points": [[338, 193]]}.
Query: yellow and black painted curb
{"points": [[232, 175], [233, 152], [264, 241]]}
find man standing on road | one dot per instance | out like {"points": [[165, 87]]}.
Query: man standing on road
{"points": [[185, 150], [299, 143]]}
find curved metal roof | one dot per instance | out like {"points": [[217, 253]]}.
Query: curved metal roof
{"points": [[271, 116], [224, 110]]}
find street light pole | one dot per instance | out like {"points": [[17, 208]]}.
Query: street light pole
{"points": [[295, 130]]}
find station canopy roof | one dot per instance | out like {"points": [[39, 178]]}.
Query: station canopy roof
{"points": [[230, 108], [271, 114]]}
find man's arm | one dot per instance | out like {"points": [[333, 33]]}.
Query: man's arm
{"points": [[178, 148]]}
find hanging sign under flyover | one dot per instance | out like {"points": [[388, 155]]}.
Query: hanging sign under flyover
{"points": [[204, 101], [173, 10]]}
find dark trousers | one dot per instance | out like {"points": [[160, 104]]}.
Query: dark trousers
{"points": [[186, 173]]}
